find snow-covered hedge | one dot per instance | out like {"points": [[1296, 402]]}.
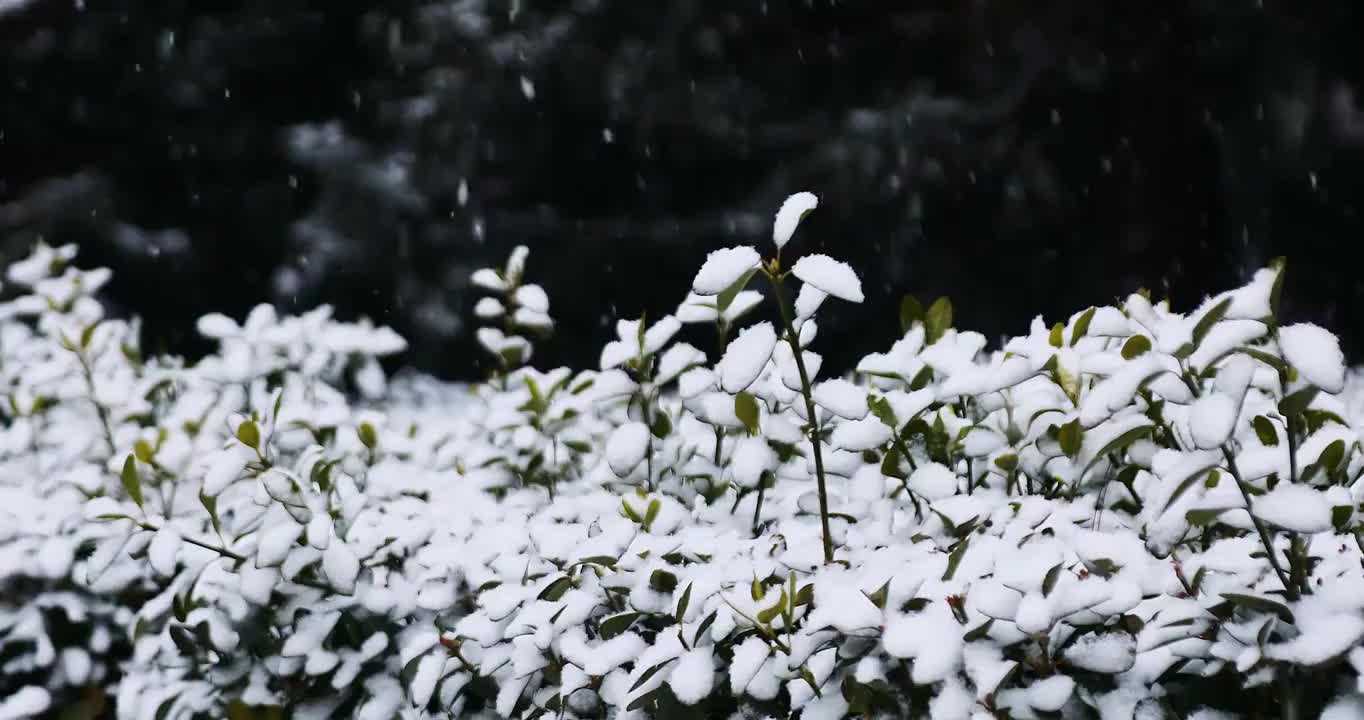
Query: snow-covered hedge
{"points": [[1127, 513]]}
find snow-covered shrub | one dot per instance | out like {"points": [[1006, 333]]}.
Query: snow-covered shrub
{"points": [[1127, 513]]}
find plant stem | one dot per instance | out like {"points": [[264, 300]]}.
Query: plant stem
{"points": [[1289, 587], [758, 507], [793, 339], [102, 411]]}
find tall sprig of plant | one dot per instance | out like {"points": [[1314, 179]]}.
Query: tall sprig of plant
{"points": [[726, 273]]}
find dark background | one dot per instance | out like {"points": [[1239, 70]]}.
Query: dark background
{"points": [[1021, 157]]}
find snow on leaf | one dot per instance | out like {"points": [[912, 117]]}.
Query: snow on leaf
{"points": [[842, 398], [164, 550], [1315, 352], [488, 279], [723, 268], [217, 326], [832, 276], [693, 676], [933, 481], [29, 701], [792, 211], [627, 447], [341, 566], [1212, 419], [858, 435], [1294, 507], [808, 301], [746, 357], [1108, 653], [752, 457], [227, 467]]}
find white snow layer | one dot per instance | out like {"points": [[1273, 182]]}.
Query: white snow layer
{"points": [[792, 211], [723, 268], [834, 277]]}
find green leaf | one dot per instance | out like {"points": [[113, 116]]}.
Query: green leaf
{"points": [[1056, 338], [602, 560], [249, 434], [648, 674], [727, 296], [1271, 360], [663, 425], [805, 595], [809, 679], [1340, 517], [1049, 581], [978, 632], [911, 311], [954, 559], [1197, 583], [1182, 488], [1071, 437], [662, 581], [211, 505], [704, 626], [143, 450], [1209, 319], [890, 464], [683, 603], [630, 511], [1008, 462], [87, 334], [1122, 441], [879, 597], [1260, 604], [765, 616], [556, 589], [132, 482], [1330, 458], [1203, 517], [937, 320], [616, 624], [922, 379], [1295, 403], [1278, 265], [1264, 429], [1082, 325], [880, 407], [1135, 347], [746, 408], [651, 513], [183, 639], [366, 433], [648, 698], [1103, 567]]}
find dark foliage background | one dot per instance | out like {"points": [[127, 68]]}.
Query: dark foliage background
{"points": [[1022, 157]]}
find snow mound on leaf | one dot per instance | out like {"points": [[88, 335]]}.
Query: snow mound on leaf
{"points": [[1316, 353], [1298, 508], [834, 277], [792, 211], [746, 357], [723, 268], [626, 448], [842, 398]]}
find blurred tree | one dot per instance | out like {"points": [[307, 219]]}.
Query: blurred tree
{"points": [[1022, 158]]}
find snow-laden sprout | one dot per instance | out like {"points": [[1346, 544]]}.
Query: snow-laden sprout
{"points": [[1127, 512], [522, 309]]}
